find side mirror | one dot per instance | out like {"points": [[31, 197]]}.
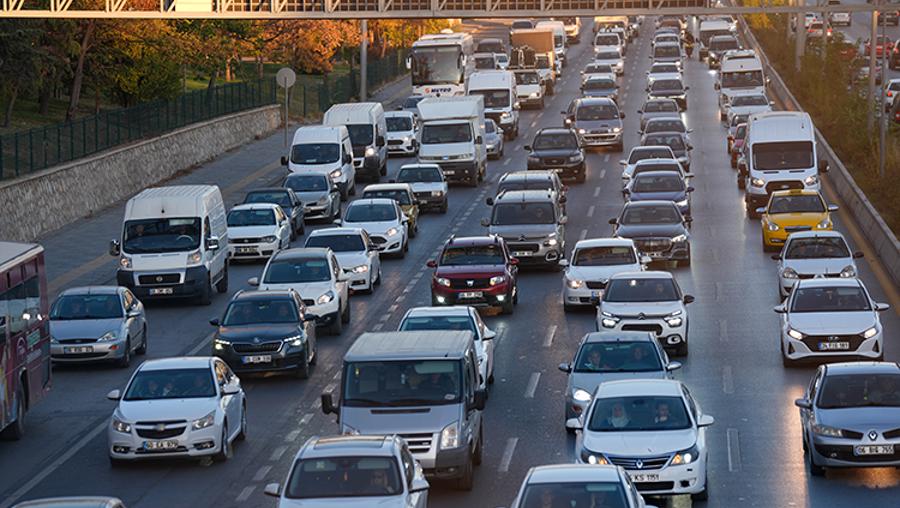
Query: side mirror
{"points": [[514, 261], [623, 162], [527, 148], [565, 367], [761, 210], [214, 321], [231, 389], [419, 484], [212, 243], [613, 221], [574, 424], [343, 277], [479, 140], [858, 254], [716, 86], [688, 299], [431, 263], [253, 281], [114, 248], [881, 307], [517, 106], [485, 222], [347, 158], [689, 189], [489, 335], [823, 166], [780, 309], [273, 489], [673, 366], [284, 160], [480, 398], [833, 208], [563, 199], [563, 112], [706, 421], [337, 222], [114, 395], [489, 201], [640, 112], [621, 115], [328, 406], [379, 141], [687, 88], [563, 263], [776, 257], [803, 403], [563, 220], [646, 260]]}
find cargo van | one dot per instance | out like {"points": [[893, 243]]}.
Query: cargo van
{"points": [[321, 149], [452, 136], [709, 29], [368, 133], [174, 243], [739, 76], [422, 386], [501, 104], [559, 38]]}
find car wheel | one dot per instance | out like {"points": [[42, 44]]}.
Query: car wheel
{"points": [[225, 450], [302, 371], [467, 478], [414, 231], [377, 281], [16, 430], [741, 183], [222, 285], [242, 435], [143, 349], [293, 232], [205, 297], [125, 361], [345, 316], [336, 327], [751, 212], [315, 356], [507, 306], [479, 447], [345, 192], [444, 207]]}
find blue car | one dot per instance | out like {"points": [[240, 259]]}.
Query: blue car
{"points": [[661, 186]]}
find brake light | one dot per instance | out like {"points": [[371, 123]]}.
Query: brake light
{"points": [[890, 93]]}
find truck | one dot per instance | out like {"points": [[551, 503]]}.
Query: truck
{"points": [[529, 47], [439, 63], [560, 44], [452, 136]]}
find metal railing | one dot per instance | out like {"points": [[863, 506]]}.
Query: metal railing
{"points": [[41, 147]]}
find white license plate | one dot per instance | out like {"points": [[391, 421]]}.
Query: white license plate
{"points": [[471, 294], [643, 477], [449, 172], [156, 446], [246, 250], [834, 346], [78, 349], [655, 255], [873, 449], [160, 291], [257, 359], [521, 253]]}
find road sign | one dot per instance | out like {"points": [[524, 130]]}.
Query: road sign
{"points": [[286, 77]]}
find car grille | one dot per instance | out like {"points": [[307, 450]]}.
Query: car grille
{"points": [[783, 185], [153, 433], [891, 434], [794, 229], [592, 284], [161, 278], [418, 443], [359, 151], [653, 244], [245, 240], [595, 136], [464, 283], [653, 486], [524, 247], [461, 167], [646, 462], [494, 116], [812, 342], [76, 341], [265, 347], [657, 329], [395, 142], [83, 356], [553, 160]]}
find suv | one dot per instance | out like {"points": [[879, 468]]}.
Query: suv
{"points": [[532, 224], [657, 228], [597, 121], [477, 271], [535, 180], [558, 149]]}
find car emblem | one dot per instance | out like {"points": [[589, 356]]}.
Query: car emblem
{"points": [[641, 316], [873, 435], [256, 340], [159, 278], [160, 427], [446, 157], [639, 464], [832, 338], [522, 238], [470, 283]]}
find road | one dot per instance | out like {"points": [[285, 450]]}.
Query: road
{"points": [[733, 370]]}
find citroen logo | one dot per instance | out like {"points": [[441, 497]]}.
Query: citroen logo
{"points": [[160, 427], [159, 278], [641, 316], [873, 435], [470, 283], [521, 237], [639, 464]]}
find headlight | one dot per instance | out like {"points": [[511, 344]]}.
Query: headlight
{"points": [[450, 436], [617, 130], [824, 224], [125, 262], [194, 258], [795, 334], [848, 272], [220, 344], [581, 131], [773, 226], [391, 232], [590, 457], [871, 332], [497, 279], [204, 422], [811, 180], [683, 202], [327, 297], [336, 174], [576, 158], [825, 430], [608, 320], [581, 395], [679, 238], [360, 269], [109, 336], [269, 239], [437, 193], [533, 94], [370, 151], [551, 241], [686, 457], [442, 281], [505, 114], [674, 319], [790, 273], [757, 182], [574, 283], [120, 426], [294, 340], [406, 139]]}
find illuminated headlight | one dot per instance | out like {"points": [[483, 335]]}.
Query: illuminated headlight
{"points": [[848, 272], [295, 340], [120, 426], [824, 224], [686, 456], [109, 336], [773, 226], [619, 64], [679, 238], [757, 182], [505, 116], [220, 344], [443, 281], [574, 283], [204, 422], [497, 279], [551, 241], [125, 262], [437, 193], [683, 202], [360, 269], [392, 232], [269, 239], [194, 258], [450, 436], [590, 457], [674, 319], [581, 131], [325, 298], [576, 158], [825, 430], [794, 334], [406, 139], [617, 130], [790, 273], [871, 332], [370, 152], [581, 395], [534, 95], [811, 180], [608, 320]]}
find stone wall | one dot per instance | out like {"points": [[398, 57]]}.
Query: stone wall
{"points": [[49, 199]]}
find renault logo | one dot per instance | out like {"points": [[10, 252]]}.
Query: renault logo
{"points": [[639, 464], [470, 283], [873, 435]]}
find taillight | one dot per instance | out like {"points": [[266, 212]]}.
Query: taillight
{"points": [[890, 93]]}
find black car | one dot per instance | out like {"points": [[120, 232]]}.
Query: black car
{"points": [[672, 88], [657, 228], [267, 331], [287, 199], [558, 149]]}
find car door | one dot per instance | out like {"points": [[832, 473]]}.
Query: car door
{"points": [[341, 286], [412, 472], [471, 424], [811, 392], [132, 322], [372, 255], [282, 225], [231, 404], [486, 345]]}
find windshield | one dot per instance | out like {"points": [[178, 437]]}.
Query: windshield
{"points": [[603, 256], [618, 357], [558, 141], [598, 69], [400, 196], [86, 307], [399, 123], [783, 155], [528, 78], [742, 79], [649, 153], [567, 493], [437, 64], [509, 214], [297, 270], [741, 131], [525, 184], [830, 299], [657, 183], [723, 44], [493, 98], [280, 198], [489, 126], [161, 235], [446, 133], [597, 112], [599, 84], [859, 390], [666, 84], [307, 183], [750, 100], [641, 290], [522, 24], [490, 46], [315, 153], [418, 323], [652, 166], [666, 51], [706, 35], [370, 213], [150, 384], [633, 414], [412, 175], [542, 62], [665, 125], [673, 141], [659, 214], [817, 248], [607, 55], [349, 242], [668, 106], [796, 204], [361, 134], [606, 40], [485, 62], [242, 218], [473, 255], [258, 311], [664, 68], [343, 476], [402, 383]]}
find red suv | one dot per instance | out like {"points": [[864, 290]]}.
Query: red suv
{"points": [[477, 271]]}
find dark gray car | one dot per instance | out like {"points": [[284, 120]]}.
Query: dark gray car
{"points": [[657, 228], [321, 198], [661, 185], [597, 121]]}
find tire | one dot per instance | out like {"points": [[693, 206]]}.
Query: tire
{"points": [[222, 285], [225, 452], [16, 430], [315, 356], [466, 481], [444, 207], [302, 371], [125, 361], [581, 177], [336, 327], [377, 281], [741, 182], [143, 349], [414, 231], [478, 456], [345, 192], [569, 308], [345, 316], [507, 306], [205, 297], [242, 435]]}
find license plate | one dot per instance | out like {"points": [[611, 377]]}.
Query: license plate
{"points": [[655, 255], [643, 477], [873, 449], [78, 349], [157, 446], [595, 294], [449, 172], [834, 346], [257, 359], [160, 291], [471, 294], [521, 253], [246, 250]]}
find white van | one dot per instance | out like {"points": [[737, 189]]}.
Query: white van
{"points": [[321, 149], [779, 153], [452, 136], [739, 76], [368, 134], [709, 29], [559, 38], [498, 88], [174, 243]]}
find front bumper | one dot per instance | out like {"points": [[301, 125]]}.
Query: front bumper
{"points": [[601, 138], [565, 169], [359, 281], [87, 351], [284, 358], [493, 296], [367, 167], [317, 212], [665, 250], [190, 443], [535, 252], [190, 283], [428, 200], [587, 295], [388, 244], [457, 171], [669, 480], [443, 464], [796, 350], [252, 250], [839, 452], [407, 147], [529, 101], [668, 336]]}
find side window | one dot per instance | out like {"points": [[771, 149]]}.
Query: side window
{"points": [[15, 308], [335, 268], [128, 299], [813, 385], [221, 377], [207, 231]]}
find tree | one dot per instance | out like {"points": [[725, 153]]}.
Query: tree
{"points": [[20, 59], [308, 45]]}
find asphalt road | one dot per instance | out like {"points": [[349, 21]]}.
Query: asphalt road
{"points": [[733, 369]]}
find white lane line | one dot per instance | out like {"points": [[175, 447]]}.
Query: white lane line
{"points": [[392, 308], [203, 343], [306, 418], [317, 404], [261, 474], [590, 212], [330, 387], [727, 379], [277, 453], [606, 158], [292, 436], [548, 340], [734, 450], [582, 234], [718, 286], [532, 385], [384, 317], [507, 455], [602, 176], [534, 123], [378, 327], [723, 330], [507, 162], [337, 375], [597, 189], [245, 494]]}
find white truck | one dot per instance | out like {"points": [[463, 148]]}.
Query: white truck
{"points": [[498, 89], [452, 136], [560, 46], [439, 63], [709, 29], [533, 48]]}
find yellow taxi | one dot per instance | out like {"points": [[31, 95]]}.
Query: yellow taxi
{"points": [[403, 194], [789, 211]]}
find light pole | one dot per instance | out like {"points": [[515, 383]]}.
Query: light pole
{"points": [[882, 125], [363, 59], [870, 99]]}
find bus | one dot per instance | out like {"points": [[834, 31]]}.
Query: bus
{"points": [[24, 334], [440, 63]]}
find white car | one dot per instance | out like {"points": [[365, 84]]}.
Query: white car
{"points": [[746, 104], [573, 483], [664, 70], [648, 301], [811, 254], [502, 61], [592, 264], [316, 275], [457, 317], [530, 88], [177, 407], [611, 57], [597, 69], [642, 153], [655, 429], [831, 318], [891, 90], [428, 185], [383, 219], [355, 252], [257, 231], [401, 133]]}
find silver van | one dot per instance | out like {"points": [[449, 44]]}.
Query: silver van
{"points": [[422, 386]]}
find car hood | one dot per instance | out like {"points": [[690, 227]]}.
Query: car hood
{"points": [[655, 230], [598, 124], [258, 333], [674, 92], [748, 110], [833, 323], [346, 502], [83, 328], [809, 219], [444, 149], [735, 90], [589, 381], [461, 272], [640, 444], [312, 197], [599, 272], [635, 309], [515, 233], [306, 290], [374, 228], [400, 420], [820, 265], [607, 92], [400, 134], [528, 89], [664, 196], [313, 168], [250, 231], [426, 186], [159, 260], [166, 409], [860, 419], [351, 259]]}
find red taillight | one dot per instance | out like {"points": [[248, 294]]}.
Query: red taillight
{"points": [[890, 93]]}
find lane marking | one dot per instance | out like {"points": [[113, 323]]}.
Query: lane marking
{"points": [[384, 317], [582, 235], [590, 212], [727, 379], [734, 450], [277, 453], [330, 387], [261, 474], [507, 455], [392, 308], [245, 494], [292, 435], [532, 385], [200, 345], [602, 176], [548, 340], [306, 418], [723, 330], [378, 327], [718, 290], [606, 158], [597, 189]]}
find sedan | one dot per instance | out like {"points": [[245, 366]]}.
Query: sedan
{"points": [[657, 228], [257, 231], [677, 141], [600, 486], [493, 139], [592, 264], [558, 149], [289, 202], [385, 222], [598, 121], [640, 153], [745, 104], [653, 125], [428, 184], [613, 58], [792, 211], [600, 86], [669, 88], [177, 407], [810, 254], [658, 108], [661, 185], [357, 255], [321, 198], [97, 323]]}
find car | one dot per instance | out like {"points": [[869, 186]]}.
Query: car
{"points": [[677, 141], [320, 196], [182, 407], [882, 43], [608, 40], [735, 142], [592, 263], [600, 86], [535, 180], [640, 153], [353, 471], [257, 231], [532, 224], [666, 38], [485, 61], [890, 91], [72, 502], [890, 18], [849, 414], [811, 254], [668, 52], [648, 301], [502, 61], [266, 331], [718, 45], [611, 356], [411, 104], [655, 429], [791, 211], [97, 323], [597, 69], [316, 275], [657, 228], [894, 57], [817, 30], [645, 165], [669, 88], [738, 54], [403, 194], [557, 149], [401, 133], [743, 105], [658, 108], [597, 121], [660, 70], [665, 124], [571, 483], [530, 88], [356, 254], [490, 45], [830, 318], [660, 185], [493, 139], [457, 317], [383, 220], [287, 199], [476, 270], [428, 185], [613, 58], [839, 18], [521, 24]]}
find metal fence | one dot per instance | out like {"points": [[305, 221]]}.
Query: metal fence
{"points": [[27, 151]]}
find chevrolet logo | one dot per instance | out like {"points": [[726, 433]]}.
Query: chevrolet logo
{"points": [[160, 427]]}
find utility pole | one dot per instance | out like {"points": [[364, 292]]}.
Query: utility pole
{"points": [[800, 46], [882, 125], [870, 98], [791, 17], [363, 59]]}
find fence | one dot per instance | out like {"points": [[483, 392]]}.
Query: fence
{"points": [[27, 151]]}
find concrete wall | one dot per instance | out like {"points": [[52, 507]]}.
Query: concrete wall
{"points": [[49, 199]]}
